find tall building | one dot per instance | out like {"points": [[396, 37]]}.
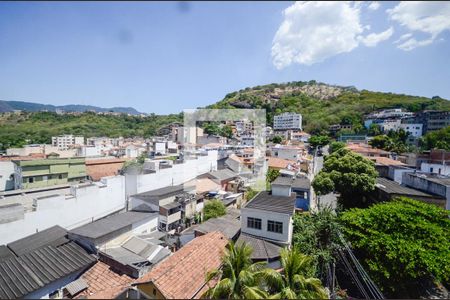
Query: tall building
{"points": [[433, 119], [287, 121], [63, 142]]}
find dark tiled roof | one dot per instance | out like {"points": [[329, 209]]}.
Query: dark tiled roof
{"points": [[268, 202], [262, 250], [280, 180], [164, 192], [53, 236], [171, 205], [20, 276], [301, 183], [392, 187], [111, 224], [228, 225], [5, 253]]}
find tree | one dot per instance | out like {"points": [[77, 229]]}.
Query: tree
{"points": [[316, 235], [238, 278], [319, 140], [439, 139], [402, 243], [381, 142], [226, 131], [272, 175], [214, 209], [277, 139], [295, 280], [374, 130], [335, 146], [349, 174]]}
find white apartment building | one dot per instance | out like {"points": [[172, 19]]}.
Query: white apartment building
{"points": [[414, 130], [287, 121], [63, 142], [243, 126]]}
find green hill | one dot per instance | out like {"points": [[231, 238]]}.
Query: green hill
{"points": [[322, 105], [38, 127]]}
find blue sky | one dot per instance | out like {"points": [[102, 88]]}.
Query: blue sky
{"points": [[166, 57]]}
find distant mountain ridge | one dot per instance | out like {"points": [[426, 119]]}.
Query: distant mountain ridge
{"points": [[8, 106]]}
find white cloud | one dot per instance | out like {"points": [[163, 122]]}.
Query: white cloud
{"points": [[431, 18], [374, 38], [313, 31], [374, 5], [403, 37]]}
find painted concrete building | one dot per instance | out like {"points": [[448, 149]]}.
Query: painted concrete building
{"points": [[287, 121], [48, 172]]}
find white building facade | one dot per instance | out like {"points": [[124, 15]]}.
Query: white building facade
{"points": [[63, 142], [287, 121]]}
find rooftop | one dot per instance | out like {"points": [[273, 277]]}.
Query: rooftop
{"points": [[20, 276], [439, 179], [275, 162], [392, 187], [268, 202], [386, 161], [163, 192], [262, 249], [111, 224], [191, 263], [224, 174], [99, 168], [229, 225], [101, 278], [53, 236]]}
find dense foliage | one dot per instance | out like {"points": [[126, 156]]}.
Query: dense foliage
{"points": [[277, 139], [318, 114], [394, 141], [335, 146], [319, 140], [316, 235], [214, 209], [39, 127], [349, 174], [439, 139], [401, 243], [215, 128]]}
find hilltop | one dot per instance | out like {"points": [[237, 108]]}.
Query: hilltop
{"points": [[9, 106], [322, 104]]}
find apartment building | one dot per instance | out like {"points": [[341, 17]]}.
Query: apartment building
{"points": [[287, 121], [64, 142], [433, 119], [47, 172]]}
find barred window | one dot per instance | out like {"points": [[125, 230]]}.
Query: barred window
{"points": [[254, 223], [274, 226]]}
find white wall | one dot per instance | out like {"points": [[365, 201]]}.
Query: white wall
{"points": [[435, 168], [6, 170], [281, 190], [285, 237], [87, 203]]}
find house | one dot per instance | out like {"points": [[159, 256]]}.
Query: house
{"points": [[386, 190], [366, 150], [276, 163], [222, 177], [98, 168], [229, 225], [41, 265], [436, 161], [287, 152], [191, 264], [429, 183], [301, 186], [113, 230], [100, 281], [269, 216], [262, 250], [169, 202], [47, 172]]}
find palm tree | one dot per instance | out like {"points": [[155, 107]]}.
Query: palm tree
{"points": [[294, 281], [239, 277]]}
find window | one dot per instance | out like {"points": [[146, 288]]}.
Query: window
{"points": [[274, 226], [45, 178], [431, 170], [254, 223], [60, 176], [30, 180]]}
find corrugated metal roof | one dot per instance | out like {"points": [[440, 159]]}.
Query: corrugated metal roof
{"points": [[261, 249], [76, 286], [111, 224], [54, 236], [19, 276]]}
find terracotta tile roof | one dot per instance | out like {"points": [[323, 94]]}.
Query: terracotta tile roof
{"points": [[182, 275], [29, 157], [103, 167], [275, 162], [103, 282], [205, 185], [386, 161], [365, 149]]}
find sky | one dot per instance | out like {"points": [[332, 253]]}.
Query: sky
{"points": [[163, 57]]}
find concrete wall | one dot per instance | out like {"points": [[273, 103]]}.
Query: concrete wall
{"points": [[6, 175], [83, 205], [284, 238], [281, 190], [435, 168], [396, 174], [428, 186]]}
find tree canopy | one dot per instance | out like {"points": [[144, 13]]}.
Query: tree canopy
{"points": [[439, 139], [214, 209], [349, 174], [401, 243], [335, 146], [319, 140]]}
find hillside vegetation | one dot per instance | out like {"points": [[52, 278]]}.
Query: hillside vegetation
{"points": [[322, 105], [39, 127]]}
